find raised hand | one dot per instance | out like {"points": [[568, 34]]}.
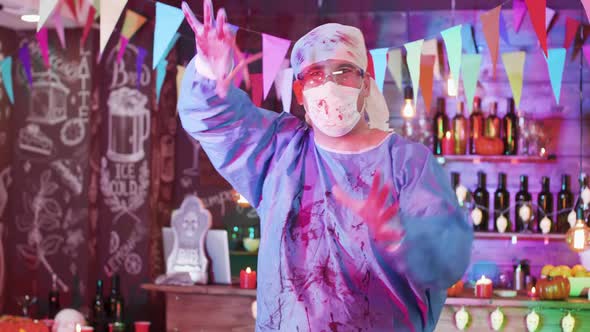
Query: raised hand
{"points": [[216, 44], [373, 210]]}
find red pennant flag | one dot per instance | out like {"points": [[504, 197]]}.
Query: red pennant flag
{"points": [[72, 6], [426, 80], [491, 30], [88, 25], [571, 29], [256, 81], [537, 12]]}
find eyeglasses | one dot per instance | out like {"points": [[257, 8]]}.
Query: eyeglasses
{"points": [[345, 75]]}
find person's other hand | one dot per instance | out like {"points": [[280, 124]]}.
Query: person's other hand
{"points": [[373, 210], [215, 41]]}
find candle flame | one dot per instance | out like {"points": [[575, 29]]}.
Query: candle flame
{"points": [[448, 135], [78, 328], [533, 290], [248, 270]]}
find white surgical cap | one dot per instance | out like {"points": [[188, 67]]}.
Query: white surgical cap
{"points": [[334, 41]]}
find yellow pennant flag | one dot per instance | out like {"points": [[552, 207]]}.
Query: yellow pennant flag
{"points": [[179, 76], [514, 65], [394, 63], [133, 21]]}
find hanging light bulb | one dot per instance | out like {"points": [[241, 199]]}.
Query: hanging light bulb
{"points": [[408, 111], [451, 86], [578, 237]]}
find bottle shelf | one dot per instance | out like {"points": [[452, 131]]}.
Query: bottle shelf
{"points": [[476, 159], [514, 237]]}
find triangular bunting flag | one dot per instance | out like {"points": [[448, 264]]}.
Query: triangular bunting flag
{"points": [[514, 65], [111, 11], [59, 28], [394, 64], [72, 7], [504, 30], [430, 47], [453, 44], [537, 12], [470, 66], [168, 19], [571, 29], [88, 25], [586, 51], [491, 24], [133, 21], [141, 54], [123, 41], [284, 85], [426, 79], [469, 45], [6, 67], [96, 5], [549, 15], [379, 56], [414, 53], [160, 75], [556, 64], [274, 50], [518, 13], [46, 7], [170, 45], [179, 75], [256, 81], [43, 46], [25, 58], [586, 4]]}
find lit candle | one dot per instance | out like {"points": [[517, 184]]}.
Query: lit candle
{"points": [[533, 292], [78, 328], [448, 144], [248, 279], [483, 288]]}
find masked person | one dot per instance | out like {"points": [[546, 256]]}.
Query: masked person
{"points": [[360, 229]]}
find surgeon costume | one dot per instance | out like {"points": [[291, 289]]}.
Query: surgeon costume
{"points": [[319, 268]]}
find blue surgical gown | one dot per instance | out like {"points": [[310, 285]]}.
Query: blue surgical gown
{"points": [[318, 267]]}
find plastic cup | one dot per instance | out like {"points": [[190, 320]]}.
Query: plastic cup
{"points": [[142, 326]]}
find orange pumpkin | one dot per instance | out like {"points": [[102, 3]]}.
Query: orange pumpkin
{"points": [[556, 288], [488, 146], [456, 289]]}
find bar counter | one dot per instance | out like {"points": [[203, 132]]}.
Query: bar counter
{"points": [[214, 308]]}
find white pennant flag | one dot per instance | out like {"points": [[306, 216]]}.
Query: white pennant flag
{"points": [[284, 88], [46, 7], [110, 11]]}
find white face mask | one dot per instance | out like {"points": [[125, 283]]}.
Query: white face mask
{"points": [[333, 108]]}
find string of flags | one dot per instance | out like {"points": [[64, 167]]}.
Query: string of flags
{"points": [[422, 57]]}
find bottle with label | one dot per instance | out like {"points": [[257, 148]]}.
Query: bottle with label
{"points": [[565, 203], [440, 125], [460, 130], [98, 310], [115, 303], [476, 124], [480, 213], [501, 206], [583, 199], [545, 208], [493, 123], [53, 298], [523, 213], [510, 129]]}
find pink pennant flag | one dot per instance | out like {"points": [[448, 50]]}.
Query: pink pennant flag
{"points": [[43, 46], [549, 15], [491, 28], [122, 45], [571, 29], [537, 11], [72, 6], [586, 4], [274, 50], [586, 50], [59, 27], [256, 81], [88, 25], [518, 13]]}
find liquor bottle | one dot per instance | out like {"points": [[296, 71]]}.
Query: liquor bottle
{"points": [[545, 208], [53, 298], [510, 129], [460, 130], [98, 309], [501, 203], [583, 199], [523, 212], [480, 214], [565, 201], [440, 125], [115, 303], [476, 123], [455, 180], [492, 123]]}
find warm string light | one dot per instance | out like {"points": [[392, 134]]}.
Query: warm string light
{"points": [[452, 87], [578, 236], [408, 110]]}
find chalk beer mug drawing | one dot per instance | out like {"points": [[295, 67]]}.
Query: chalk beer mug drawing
{"points": [[129, 125]]}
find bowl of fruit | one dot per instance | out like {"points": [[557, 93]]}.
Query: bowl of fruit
{"points": [[577, 276]]}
